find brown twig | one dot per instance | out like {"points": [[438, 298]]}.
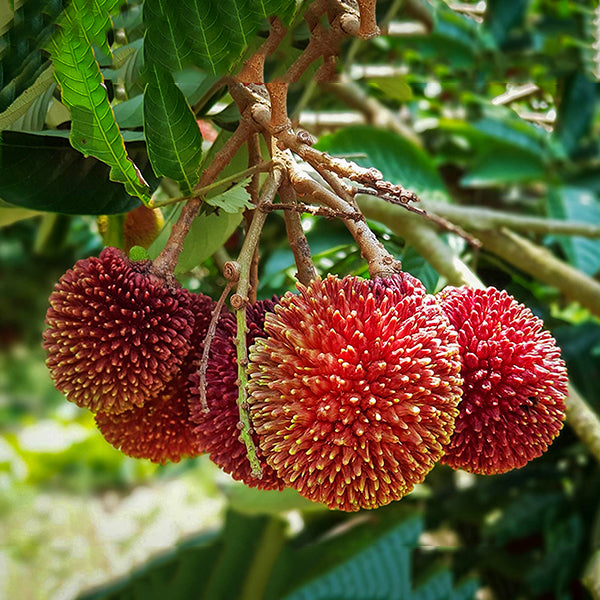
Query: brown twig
{"points": [[368, 21], [253, 69], [381, 262], [210, 334], [297, 240], [422, 237], [315, 211], [165, 262]]}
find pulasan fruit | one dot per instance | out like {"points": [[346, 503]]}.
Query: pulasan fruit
{"points": [[161, 430], [354, 390], [515, 382], [217, 429], [117, 334]]}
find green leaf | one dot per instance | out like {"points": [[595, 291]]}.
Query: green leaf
{"points": [[501, 165], [211, 34], [501, 17], [395, 88], [207, 234], [94, 130], [172, 134], [233, 200], [177, 575], [165, 44], [35, 168], [379, 571], [577, 110], [398, 159], [576, 204], [40, 91], [10, 215]]}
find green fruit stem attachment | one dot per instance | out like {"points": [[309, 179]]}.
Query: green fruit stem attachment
{"points": [[239, 300]]}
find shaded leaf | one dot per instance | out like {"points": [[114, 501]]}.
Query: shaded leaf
{"points": [[577, 110], [172, 134], [36, 166], [207, 234], [395, 88], [398, 159], [501, 17]]}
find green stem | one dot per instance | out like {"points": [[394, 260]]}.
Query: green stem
{"points": [[203, 191], [242, 362], [239, 301], [264, 557]]}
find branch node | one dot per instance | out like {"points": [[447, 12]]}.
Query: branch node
{"points": [[238, 302], [231, 271]]}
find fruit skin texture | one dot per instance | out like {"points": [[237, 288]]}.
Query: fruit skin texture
{"points": [[355, 389], [217, 430], [116, 334], [161, 430], [515, 382]]}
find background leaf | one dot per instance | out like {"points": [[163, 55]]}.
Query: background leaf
{"points": [[398, 159], [576, 204], [211, 34]]}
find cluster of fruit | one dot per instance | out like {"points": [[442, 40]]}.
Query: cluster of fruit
{"points": [[357, 388]]}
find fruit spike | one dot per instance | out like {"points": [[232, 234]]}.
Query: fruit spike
{"points": [[218, 430], [161, 430], [515, 382], [354, 391], [116, 333]]}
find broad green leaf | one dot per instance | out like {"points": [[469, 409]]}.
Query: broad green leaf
{"points": [[177, 575], [10, 215], [380, 570], [211, 34], [36, 166], [398, 159], [207, 234], [94, 131], [165, 43], [575, 204], [24, 103], [503, 165], [172, 134]]}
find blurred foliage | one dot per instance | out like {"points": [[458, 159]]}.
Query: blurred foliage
{"points": [[523, 535]]}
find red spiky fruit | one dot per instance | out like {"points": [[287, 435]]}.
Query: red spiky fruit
{"points": [[355, 389], [161, 430], [217, 429], [116, 333], [515, 382]]}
